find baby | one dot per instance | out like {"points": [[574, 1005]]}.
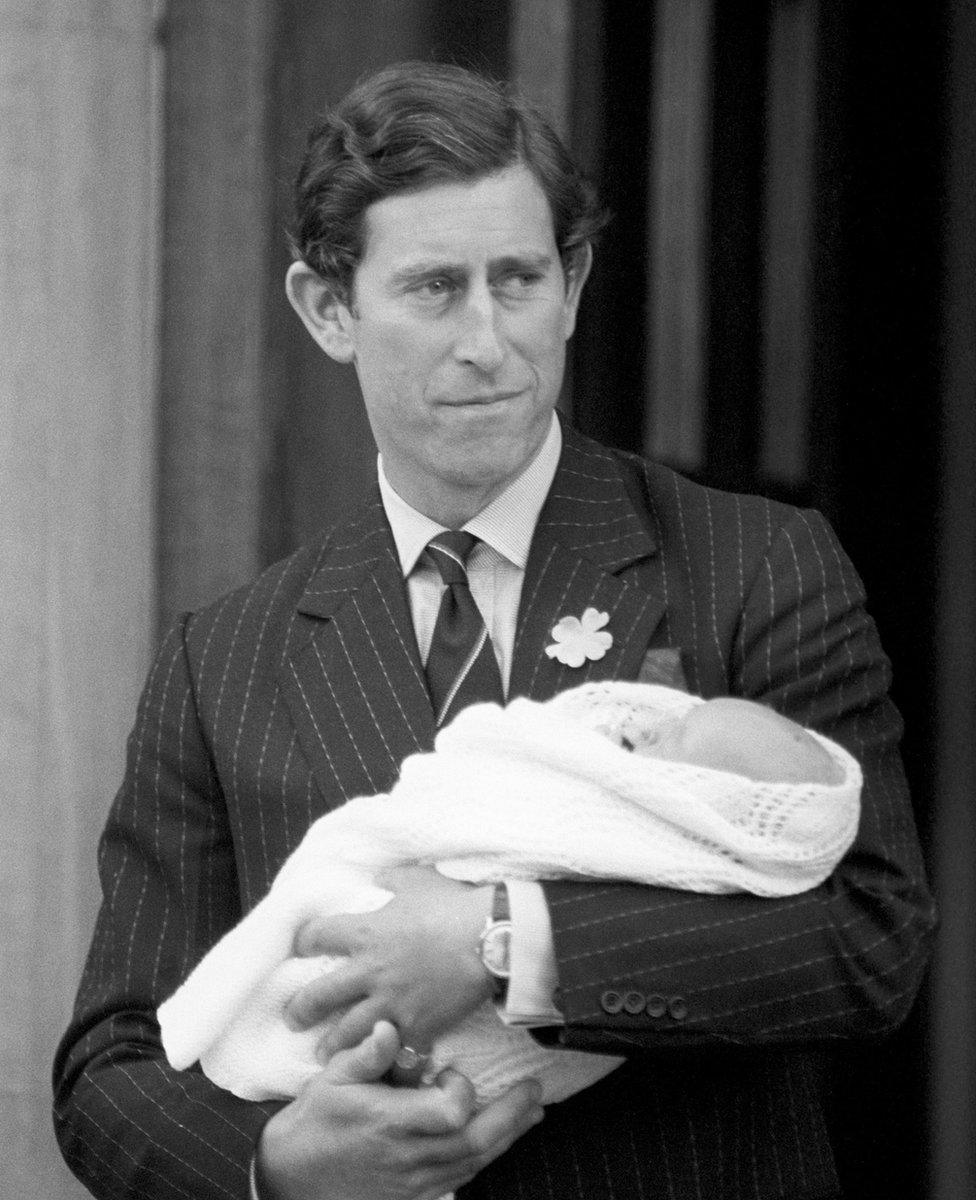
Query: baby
{"points": [[741, 736], [619, 781]]}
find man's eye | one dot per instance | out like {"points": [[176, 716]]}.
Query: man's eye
{"points": [[435, 289], [516, 282]]}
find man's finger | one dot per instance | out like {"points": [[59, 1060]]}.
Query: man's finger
{"points": [[494, 1129], [350, 1029], [458, 1103], [435, 1111], [325, 995], [369, 1061], [339, 934]]}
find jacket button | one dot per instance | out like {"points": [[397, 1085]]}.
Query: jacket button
{"points": [[611, 1002], [657, 1006], [634, 1003], [677, 1008]]}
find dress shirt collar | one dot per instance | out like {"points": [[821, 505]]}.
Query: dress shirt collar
{"points": [[506, 524]]}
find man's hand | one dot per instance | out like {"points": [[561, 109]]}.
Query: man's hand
{"points": [[348, 1137], [413, 962]]}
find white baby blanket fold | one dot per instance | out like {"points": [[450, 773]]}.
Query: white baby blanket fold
{"points": [[531, 791]]}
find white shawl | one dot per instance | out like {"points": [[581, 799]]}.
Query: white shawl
{"points": [[531, 791]]}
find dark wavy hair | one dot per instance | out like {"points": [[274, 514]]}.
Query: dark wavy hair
{"points": [[414, 125]]}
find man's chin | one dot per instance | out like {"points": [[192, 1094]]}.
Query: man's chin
{"points": [[491, 464]]}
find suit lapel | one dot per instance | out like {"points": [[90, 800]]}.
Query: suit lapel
{"points": [[593, 548], [355, 686]]}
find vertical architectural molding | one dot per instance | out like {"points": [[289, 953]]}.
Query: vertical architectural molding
{"points": [[325, 454], [789, 226], [77, 326], [217, 231], [952, 1036], [542, 56], [541, 53], [678, 239]]}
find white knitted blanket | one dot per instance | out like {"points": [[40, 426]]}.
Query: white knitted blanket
{"points": [[531, 791]]}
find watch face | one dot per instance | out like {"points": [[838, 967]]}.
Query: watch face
{"points": [[495, 946]]}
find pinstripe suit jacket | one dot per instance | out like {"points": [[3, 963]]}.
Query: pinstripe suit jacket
{"points": [[292, 695]]}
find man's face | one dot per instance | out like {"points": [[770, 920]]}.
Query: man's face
{"points": [[458, 325]]}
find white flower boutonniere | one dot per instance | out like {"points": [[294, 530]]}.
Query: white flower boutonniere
{"points": [[580, 638]]}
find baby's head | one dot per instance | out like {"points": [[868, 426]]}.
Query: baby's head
{"points": [[740, 736]]}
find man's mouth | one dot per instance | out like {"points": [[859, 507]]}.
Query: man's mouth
{"points": [[483, 400]]}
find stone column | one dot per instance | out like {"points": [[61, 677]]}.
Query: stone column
{"points": [[788, 233], [677, 333], [217, 235], [77, 335]]}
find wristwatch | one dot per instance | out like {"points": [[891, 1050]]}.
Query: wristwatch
{"points": [[495, 943]]}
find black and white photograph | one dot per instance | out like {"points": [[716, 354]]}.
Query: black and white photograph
{"points": [[487, 600]]}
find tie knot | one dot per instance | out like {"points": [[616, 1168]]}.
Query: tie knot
{"points": [[450, 551]]}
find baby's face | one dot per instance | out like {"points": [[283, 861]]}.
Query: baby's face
{"points": [[664, 740], [730, 734]]}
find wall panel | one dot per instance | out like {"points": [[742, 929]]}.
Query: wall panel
{"points": [[77, 326], [213, 421]]}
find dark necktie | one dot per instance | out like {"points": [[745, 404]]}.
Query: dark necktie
{"points": [[461, 666]]}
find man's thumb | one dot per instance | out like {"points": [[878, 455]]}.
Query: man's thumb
{"points": [[370, 1060]]}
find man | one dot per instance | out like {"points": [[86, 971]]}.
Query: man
{"points": [[443, 242]]}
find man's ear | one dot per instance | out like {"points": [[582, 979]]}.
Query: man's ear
{"points": [[325, 316], [576, 275]]}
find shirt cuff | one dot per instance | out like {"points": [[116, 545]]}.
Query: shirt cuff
{"points": [[532, 961]]}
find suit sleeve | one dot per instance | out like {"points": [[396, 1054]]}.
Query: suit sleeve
{"points": [[644, 968], [129, 1126]]}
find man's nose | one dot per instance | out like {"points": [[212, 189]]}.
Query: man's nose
{"points": [[480, 339]]}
